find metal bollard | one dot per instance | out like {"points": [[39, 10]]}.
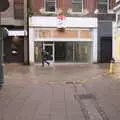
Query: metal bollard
{"points": [[4, 5], [3, 35], [112, 66], [1, 75]]}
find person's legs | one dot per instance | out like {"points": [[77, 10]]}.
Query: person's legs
{"points": [[42, 63], [47, 62]]}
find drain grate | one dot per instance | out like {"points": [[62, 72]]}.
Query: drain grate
{"points": [[72, 82], [91, 110], [85, 96], [69, 82]]}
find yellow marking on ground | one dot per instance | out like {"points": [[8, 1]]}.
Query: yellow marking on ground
{"points": [[65, 82], [13, 75]]}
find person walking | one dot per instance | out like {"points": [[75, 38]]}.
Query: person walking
{"points": [[44, 56]]}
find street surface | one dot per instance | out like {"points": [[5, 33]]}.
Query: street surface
{"points": [[62, 92]]}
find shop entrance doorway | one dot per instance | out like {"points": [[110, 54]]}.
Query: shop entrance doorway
{"points": [[105, 49], [50, 49]]}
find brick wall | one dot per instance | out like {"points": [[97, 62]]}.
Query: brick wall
{"points": [[90, 5], [37, 4]]}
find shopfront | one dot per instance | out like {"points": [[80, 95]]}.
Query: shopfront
{"points": [[65, 51], [14, 47], [76, 44]]}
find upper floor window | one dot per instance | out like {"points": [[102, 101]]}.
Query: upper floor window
{"points": [[106, 6], [103, 6], [50, 5], [118, 19], [77, 5], [18, 9]]}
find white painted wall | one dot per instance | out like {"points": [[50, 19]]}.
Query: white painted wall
{"points": [[95, 45], [85, 22], [114, 40], [31, 45], [62, 39], [16, 32]]}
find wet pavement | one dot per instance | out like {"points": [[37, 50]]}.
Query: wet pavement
{"points": [[60, 92]]}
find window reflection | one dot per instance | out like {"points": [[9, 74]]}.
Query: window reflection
{"points": [[67, 51]]}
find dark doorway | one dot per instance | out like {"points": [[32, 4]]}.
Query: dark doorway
{"points": [[60, 51], [14, 50], [105, 49]]}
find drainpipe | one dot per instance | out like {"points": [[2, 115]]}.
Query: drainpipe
{"points": [[26, 33], [1, 56]]}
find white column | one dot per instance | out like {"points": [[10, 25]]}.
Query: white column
{"points": [[95, 42], [114, 41], [31, 45]]}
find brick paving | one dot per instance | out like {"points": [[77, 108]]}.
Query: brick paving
{"points": [[35, 93]]}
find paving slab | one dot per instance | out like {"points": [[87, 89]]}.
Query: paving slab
{"points": [[54, 93]]}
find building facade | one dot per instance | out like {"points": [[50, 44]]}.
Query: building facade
{"points": [[76, 43], [106, 17], [116, 33], [13, 20], [71, 31]]}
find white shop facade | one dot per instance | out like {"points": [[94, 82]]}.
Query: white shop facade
{"points": [[76, 43]]}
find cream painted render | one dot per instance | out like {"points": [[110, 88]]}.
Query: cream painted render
{"points": [[116, 35]]}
